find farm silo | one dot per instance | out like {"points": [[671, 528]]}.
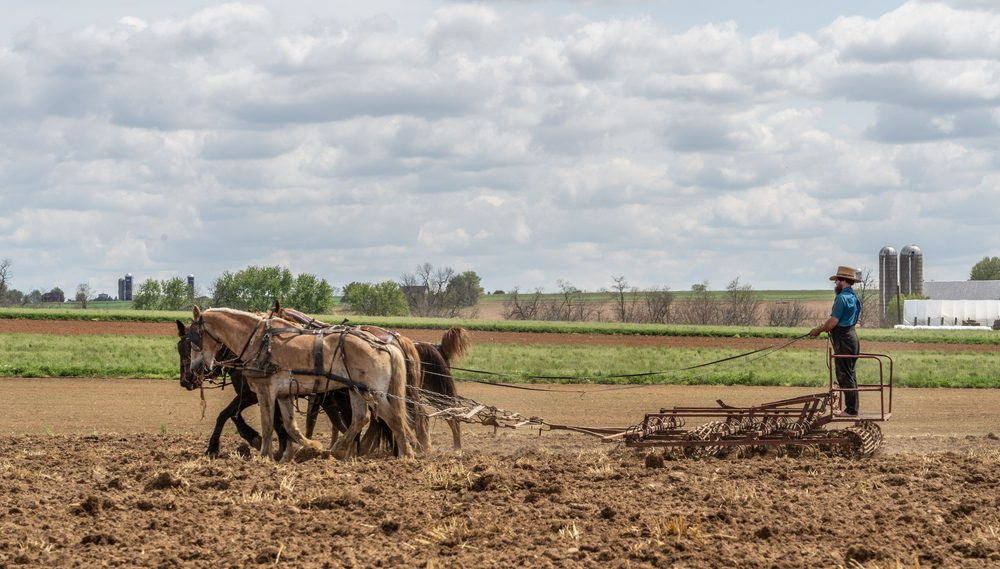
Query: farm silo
{"points": [[888, 277], [190, 286], [128, 286], [911, 270]]}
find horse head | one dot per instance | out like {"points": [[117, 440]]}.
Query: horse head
{"points": [[202, 347], [188, 380]]}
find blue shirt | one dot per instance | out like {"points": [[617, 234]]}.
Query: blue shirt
{"points": [[846, 308]]}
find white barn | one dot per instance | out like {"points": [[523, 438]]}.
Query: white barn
{"points": [[956, 304]]}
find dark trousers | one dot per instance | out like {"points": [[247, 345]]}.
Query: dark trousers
{"points": [[845, 342]]}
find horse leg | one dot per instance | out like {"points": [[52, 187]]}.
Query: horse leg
{"points": [[231, 411], [266, 397], [281, 431], [245, 397], [338, 409], [359, 416], [372, 439], [287, 408], [396, 424], [312, 412]]}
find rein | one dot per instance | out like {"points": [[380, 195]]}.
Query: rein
{"points": [[765, 351]]}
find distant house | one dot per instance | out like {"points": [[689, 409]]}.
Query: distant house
{"points": [[56, 296], [415, 291], [962, 290]]}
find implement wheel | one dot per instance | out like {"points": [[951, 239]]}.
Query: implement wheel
{"points": [[865, 438]]}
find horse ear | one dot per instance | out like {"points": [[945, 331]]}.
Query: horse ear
{"points": [[181, 330], [196, 311], [277, 306]]}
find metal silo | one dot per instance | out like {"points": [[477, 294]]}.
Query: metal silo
{"points": [[128, 286], [190, 283], [888, 277], [911, 270]]}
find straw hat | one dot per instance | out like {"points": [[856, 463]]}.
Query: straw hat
{"points": [[846, 273]]}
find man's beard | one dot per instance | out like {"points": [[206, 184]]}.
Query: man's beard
{"points": [[838, 287]]}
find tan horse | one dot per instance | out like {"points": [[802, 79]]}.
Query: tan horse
{"points": [[281, 361], [414, 373]]}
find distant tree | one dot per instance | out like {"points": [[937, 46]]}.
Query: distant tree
{"points": [[310, 294], [627, 307], [345, 295], [986, 270], [147, 296], [464, 289], [570, 306], [13, 297], [175, 294], [518, 307], [787, 314], [426, 291], [700, 307], [256, 288], [5, 276], [83, 294], [659, 301], [382, 299], [741, 305], [34, 297]]}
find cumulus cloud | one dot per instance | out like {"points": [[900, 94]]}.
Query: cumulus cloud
{"points": [[502, 138]]}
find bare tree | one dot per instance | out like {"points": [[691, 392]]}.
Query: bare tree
{"points": [[700, 308], [787, 314], [741, 306], [83, 294], [658, 305], [868, 296], [426, 291], [5, 276], [627, 307], [522, 308], [570, 307]]}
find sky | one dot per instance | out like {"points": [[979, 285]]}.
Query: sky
{"points": [[537, 143]]}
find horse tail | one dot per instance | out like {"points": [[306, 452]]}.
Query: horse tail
{"points": [[414, 384], [414, 374], [437, 372], [397, 400], [455, 344]]}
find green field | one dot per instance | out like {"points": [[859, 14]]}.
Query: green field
{"points": [[33, 355], [607, 328]]}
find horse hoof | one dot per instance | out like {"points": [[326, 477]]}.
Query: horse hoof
{"points": [[256, 442]]}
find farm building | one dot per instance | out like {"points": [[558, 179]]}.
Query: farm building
{"points": [[961, 303]]}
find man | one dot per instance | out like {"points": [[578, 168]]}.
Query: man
{"points": [[840, 325]]}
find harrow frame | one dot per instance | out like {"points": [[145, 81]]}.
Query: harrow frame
{"points": [[786, 424]]}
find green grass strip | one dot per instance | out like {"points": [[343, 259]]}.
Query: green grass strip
{"points": [[35, 355]]}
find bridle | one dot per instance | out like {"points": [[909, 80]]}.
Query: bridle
{"points": [[194, 336]]}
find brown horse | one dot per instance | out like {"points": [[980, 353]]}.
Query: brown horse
{"points": [[414, 373], [428, 368], [281, 360]]}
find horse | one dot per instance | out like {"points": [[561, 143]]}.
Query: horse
{"points": [[414, 374], [337, 408], [280, 361], [433, 374]]}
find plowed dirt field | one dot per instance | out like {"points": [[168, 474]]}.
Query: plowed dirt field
{"points": [[101, 472]]}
